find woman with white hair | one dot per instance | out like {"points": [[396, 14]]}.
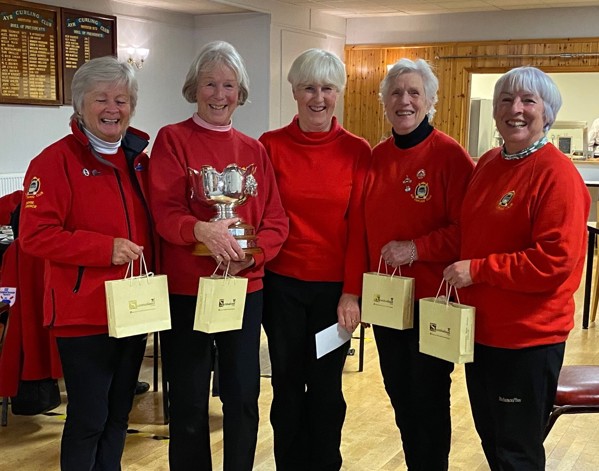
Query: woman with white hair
{"points": [[320, 170], [218, 83], [412, 199], [84, 211], [522, 254]]}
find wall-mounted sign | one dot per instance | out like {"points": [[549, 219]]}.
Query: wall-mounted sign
{"points": [[84, 36], [42, 46]]}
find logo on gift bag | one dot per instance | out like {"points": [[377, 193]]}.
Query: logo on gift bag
{"points": [[226, 305], [432, 327], [380, 301], [135, 306]]}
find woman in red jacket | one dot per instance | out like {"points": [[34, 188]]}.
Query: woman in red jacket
{"points": [[320, 169], [85, 213], [523, 248]]}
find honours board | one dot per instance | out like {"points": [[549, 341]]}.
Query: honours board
{"points": [[42, 46]]}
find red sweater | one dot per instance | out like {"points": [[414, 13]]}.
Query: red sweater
{"points": [[416, 194], [524, 228], [186, 144], [320, 177]]}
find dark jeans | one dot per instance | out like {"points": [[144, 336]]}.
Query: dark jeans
{"points": [[308, 407], [511, 393], [187, 359], [418, 386], [100, 374]]}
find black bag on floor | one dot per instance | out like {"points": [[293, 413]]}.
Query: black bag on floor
{"points": [[36, 397]]}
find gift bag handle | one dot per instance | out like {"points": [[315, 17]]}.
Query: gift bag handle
{"points": [[395, 270], [448, 289], [143, 268], [226, 274]]}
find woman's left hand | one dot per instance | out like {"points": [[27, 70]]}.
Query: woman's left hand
{"points": [[458, 274], [348, 312], [398, 252]]}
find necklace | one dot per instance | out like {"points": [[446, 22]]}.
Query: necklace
{"points": [[535, 146]]}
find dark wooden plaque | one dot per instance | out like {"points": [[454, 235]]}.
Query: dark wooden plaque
{"points": [[85, 36], [29, 59]]}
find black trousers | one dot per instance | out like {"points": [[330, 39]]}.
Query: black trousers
{"points": [[511, 394], [100, 374], [187, 358], [418, 386], [308, 407]]}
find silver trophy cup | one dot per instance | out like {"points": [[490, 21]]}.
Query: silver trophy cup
{"points": [[224, 191]]}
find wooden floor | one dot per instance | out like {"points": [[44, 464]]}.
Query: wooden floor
{"points": [[370, 438]]}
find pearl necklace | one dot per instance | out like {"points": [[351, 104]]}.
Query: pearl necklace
{"points": [[535, 146]]}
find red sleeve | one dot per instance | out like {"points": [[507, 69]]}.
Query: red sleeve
{"points": [[44, 212], [168, 191], [274, 224], [356, 257]]}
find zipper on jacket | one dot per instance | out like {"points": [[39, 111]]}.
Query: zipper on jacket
{"points": [[136, 177], [79, 277], [118, 179]]}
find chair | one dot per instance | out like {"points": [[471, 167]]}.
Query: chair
{"points": [[352, 351], [593, 312], [577, 392]]}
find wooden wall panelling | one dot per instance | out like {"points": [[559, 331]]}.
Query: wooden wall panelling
{"points": [[454, 63]]}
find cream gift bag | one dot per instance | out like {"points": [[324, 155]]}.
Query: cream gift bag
{"points": [[220, 304], [388, 300], [137, 304], [447, 328]]}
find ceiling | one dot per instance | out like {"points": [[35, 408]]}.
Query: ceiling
{"points": [[362, 8]]}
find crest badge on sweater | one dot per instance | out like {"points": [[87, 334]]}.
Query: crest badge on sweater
{"points": [[506, 200], [422, 190]]}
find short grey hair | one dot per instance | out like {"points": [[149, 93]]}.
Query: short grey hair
{"points": [[531, 80], [105, 69], [212, 54], [420, 67], [317, 66]]}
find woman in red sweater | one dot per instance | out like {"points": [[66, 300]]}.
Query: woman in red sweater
{"points": [[320, 169], [218, 82], [412, 198], [523, 249]]}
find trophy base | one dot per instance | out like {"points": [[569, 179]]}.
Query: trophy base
{"points": [[201, 250], [244, 235]]}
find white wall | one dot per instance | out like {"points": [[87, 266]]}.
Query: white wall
{"points": [[513, 24], [249, 33]]}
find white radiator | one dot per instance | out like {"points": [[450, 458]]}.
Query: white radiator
{"points": [[10, 182]]}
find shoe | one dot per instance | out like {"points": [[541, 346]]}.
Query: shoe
{"points": [[141, 387]]}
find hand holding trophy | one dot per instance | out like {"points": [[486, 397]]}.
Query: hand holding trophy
{"points": [[225, 191]]}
